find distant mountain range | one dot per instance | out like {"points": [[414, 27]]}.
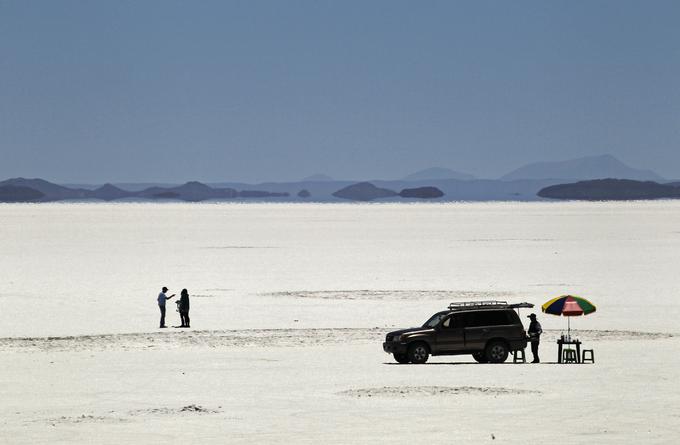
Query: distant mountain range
{"points": [[436, 183], [579, 169], [592, 167]]}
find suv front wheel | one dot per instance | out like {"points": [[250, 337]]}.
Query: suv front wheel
{"points": [[418, 353], [496, 351], [480, 357], [401, 358]]}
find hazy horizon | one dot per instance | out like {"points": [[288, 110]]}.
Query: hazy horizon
{"points": [[311, 178], [168, 91]]}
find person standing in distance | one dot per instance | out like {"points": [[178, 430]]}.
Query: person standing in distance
{"points": [[535, 332], [184, 308], [162, 298]]}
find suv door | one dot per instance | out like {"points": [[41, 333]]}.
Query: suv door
{"points": [[480, 326], [450, 335]]}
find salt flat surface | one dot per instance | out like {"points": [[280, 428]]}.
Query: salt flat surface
{"points": [[290, 304]]}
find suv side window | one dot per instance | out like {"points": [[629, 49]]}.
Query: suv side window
{"points": [[454, 321], [467, 319], [490, 318], [513, 318]]}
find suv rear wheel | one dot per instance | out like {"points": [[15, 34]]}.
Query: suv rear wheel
{"points": [[401, 358], [496, 351], [418, 353], [480, 357]]}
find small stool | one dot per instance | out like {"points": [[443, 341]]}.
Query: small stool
{"points": [[590, 358], [569, 356], [518, 356]]}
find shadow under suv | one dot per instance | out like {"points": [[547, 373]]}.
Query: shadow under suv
{"points": [[488, 330]]}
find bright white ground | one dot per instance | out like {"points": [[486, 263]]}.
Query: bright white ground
{"points": [[289, 308], [337, 393]]}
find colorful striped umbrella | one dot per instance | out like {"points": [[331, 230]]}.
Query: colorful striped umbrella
{"points": [[568, 306]]}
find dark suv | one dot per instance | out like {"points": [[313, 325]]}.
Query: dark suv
{"points": [[488, 330]]}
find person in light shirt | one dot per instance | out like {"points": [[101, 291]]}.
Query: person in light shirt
{"points": [[162, 298]]}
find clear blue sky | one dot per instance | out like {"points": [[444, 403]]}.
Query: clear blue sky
{"points": [[95, 91]]}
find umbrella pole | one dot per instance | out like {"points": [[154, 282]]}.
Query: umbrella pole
{"points": [[569, 327]]}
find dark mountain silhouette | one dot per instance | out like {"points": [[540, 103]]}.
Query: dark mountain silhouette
{"points": [[192, 191], [592, 167], [51, 192], [140, 186], [321, 191], [261, 194], [364, 191], [304, 193], [39, 190], [109, 192], [454, 190], [610, 190], [168, 195], [437, 173], [197, 191], [12, 193], [422, 193]]}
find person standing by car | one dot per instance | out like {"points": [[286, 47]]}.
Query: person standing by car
{"points": [[535, 332], [162, 298], [184, 308]]}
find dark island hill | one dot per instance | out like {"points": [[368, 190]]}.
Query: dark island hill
{"points": [[39, 190], [611, 190], [365, 191]]}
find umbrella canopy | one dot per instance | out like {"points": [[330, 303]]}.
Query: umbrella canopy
{"points": [[569, 306]]}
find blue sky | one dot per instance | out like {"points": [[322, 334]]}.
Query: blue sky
{"points": [[95, 91]]}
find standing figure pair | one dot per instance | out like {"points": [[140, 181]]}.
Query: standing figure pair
{"points": [[182, 307]]}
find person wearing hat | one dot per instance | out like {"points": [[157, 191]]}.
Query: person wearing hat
{"points": [[535, 332], [162, 298]]}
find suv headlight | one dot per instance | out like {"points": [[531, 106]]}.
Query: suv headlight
{"points": [[396, 338]]}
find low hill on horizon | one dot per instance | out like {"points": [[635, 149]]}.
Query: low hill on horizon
{"points": [[586, 168], [610, 190], [50, 191]]}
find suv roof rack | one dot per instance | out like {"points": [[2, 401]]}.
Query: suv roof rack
{"points": [[473, 304], [461, 305]]}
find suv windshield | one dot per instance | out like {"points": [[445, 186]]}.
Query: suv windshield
{"points": [[434, 320]]}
